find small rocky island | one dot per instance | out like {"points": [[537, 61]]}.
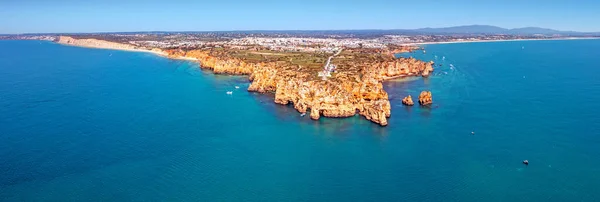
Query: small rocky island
{"points": [[329, 81], [408, 101], [425, 98]]}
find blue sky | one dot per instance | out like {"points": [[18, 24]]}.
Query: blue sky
{"points": [[40, 16]]}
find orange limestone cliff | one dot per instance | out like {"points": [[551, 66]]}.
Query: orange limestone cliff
{"points": [[353, 86]]}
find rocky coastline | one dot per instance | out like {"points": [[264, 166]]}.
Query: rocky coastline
{"points": [[355, 87]]}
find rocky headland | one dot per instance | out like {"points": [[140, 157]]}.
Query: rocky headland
{"points": [[353, 87]]}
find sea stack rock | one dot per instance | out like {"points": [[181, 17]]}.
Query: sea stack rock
{"points": [[425, 98], [408, 101], [314, 113]]}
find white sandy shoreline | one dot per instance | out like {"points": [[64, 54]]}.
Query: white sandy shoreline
{"points": [[121, 47], [162, 54], [508, 40]]}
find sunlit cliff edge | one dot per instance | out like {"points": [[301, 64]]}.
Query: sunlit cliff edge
{"points": [[355, 87]]}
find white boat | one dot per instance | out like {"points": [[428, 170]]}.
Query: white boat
{"points": [[303, 114], [236, 87], [229, 92]]}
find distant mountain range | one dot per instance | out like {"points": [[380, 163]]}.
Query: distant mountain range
{"points": [[488, 29]]}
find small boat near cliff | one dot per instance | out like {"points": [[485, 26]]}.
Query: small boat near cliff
{"points": [[303, 114]]}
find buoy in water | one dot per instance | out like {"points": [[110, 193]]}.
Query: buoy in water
{"points": [[526, 162]]}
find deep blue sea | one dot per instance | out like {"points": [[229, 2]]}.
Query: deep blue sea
{"points": [[81, 124]]}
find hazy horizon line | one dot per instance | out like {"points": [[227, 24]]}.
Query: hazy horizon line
{"points": [[282, 30]]}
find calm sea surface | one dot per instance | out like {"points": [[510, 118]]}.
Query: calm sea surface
{"points": [[82, 124]]}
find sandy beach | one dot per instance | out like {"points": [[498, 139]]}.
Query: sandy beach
{"points": [[100, 44]]}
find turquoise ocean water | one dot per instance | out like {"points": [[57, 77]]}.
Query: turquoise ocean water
{"points": [[82, 124]]}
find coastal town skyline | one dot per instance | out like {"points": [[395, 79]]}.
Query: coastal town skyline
{"points": [[133, 16]]}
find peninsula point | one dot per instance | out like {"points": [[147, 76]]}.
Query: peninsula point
{"points": [[322, 77]]}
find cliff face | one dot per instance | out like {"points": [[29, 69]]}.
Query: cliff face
{"points": [[402, 67], [220, 65], [345, 94]]}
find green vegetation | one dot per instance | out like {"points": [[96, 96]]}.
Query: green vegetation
{"points": [[305, 61]]}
